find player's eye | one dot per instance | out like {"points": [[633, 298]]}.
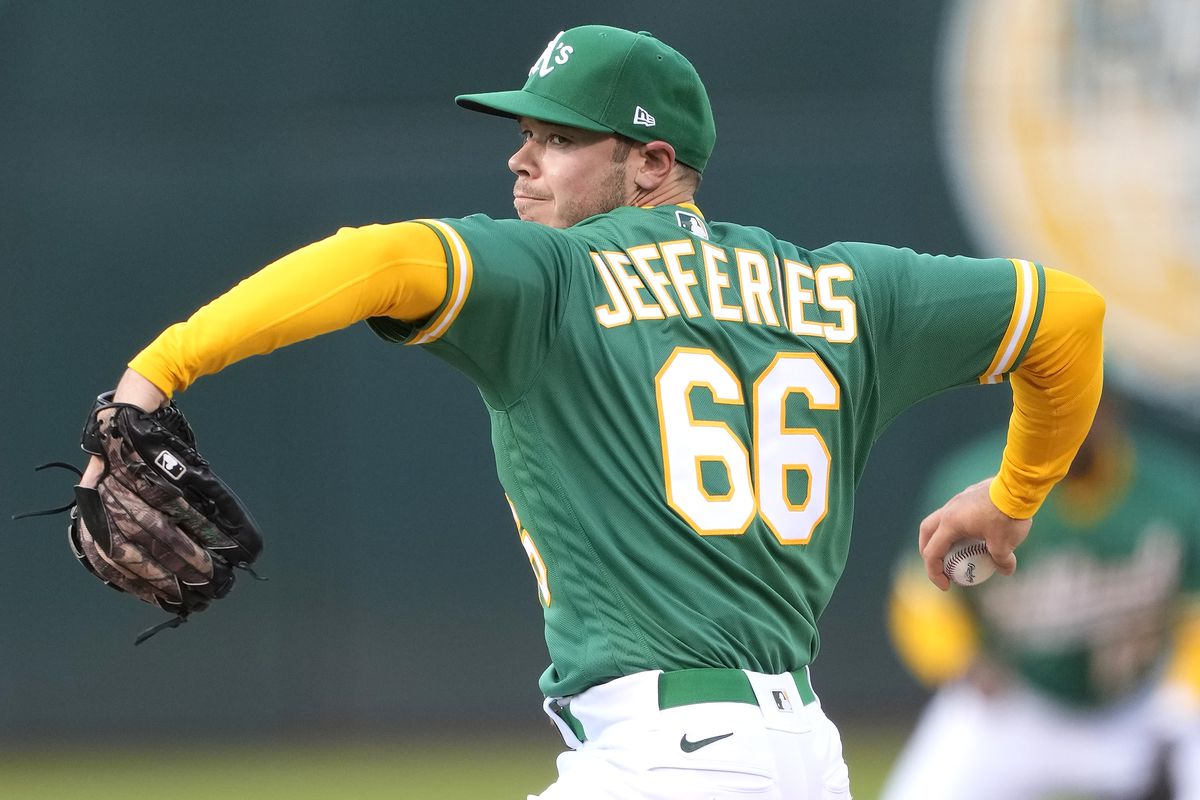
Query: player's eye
{"points": [[557, 140]]}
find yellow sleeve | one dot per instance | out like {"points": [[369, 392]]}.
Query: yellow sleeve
{"points": [[1184, 667], [933, 633], [396, 270], [1055, 393]]}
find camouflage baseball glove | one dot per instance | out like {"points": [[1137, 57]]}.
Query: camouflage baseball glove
{"points": [[159, 524]]}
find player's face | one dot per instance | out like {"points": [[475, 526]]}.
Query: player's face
{"points": [[567, 174]]}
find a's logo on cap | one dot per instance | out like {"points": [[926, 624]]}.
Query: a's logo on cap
{"points": [[643, 117], [692, 223], [555, 51]]}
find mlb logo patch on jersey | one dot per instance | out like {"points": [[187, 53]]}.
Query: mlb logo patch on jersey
{"points": [[692, 223], [781, 701]]}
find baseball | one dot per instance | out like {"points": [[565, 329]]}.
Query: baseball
{"points": [[968, 562]]}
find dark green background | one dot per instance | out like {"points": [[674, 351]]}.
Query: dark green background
{"points": [[153, 153]]}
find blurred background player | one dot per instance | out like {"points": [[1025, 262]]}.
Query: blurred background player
{"points": [[1080, 673]]}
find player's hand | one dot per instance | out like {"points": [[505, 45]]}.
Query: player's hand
{"points": [[970, 514], [132, 389]]}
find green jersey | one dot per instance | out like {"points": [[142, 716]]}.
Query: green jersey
{"points": [[1110, 561], [681, 411]]}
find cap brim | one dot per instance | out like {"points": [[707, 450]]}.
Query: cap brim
{"points": [[520, 103]]}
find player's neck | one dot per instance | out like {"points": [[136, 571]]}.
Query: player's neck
{"points": [[670, 192]]}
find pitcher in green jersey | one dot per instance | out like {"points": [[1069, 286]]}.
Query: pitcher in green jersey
{"points": [[681, 410]]}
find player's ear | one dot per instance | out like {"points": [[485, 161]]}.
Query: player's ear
{"points": [[657, 162]]}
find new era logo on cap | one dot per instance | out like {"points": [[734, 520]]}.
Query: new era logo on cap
{"points": [[643, 117]]}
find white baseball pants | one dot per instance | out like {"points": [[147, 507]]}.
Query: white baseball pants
{"points": [[1018, 744], [698, 735]]}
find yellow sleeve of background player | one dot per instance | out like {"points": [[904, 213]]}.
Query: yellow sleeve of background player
{"points": [[396, 270], [932, 632], [1184, 668], [1055, 393]]}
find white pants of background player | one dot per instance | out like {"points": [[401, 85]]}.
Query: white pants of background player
{"points": [[1018, 744], [635, 751]]}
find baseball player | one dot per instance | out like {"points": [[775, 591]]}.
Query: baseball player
{"points": [[1083, 667], [681, 409]]}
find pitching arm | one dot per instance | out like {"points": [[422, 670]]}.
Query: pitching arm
{"points": [[1055, 393]]}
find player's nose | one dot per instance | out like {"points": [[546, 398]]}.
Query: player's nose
{"points": [[523, 162]]}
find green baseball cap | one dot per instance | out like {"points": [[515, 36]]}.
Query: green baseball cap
{"points": [[608, 79]]}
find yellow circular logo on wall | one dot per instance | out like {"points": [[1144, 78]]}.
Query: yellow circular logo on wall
{"points": [[1072, 129]]}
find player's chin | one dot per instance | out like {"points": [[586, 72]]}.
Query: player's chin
{"points": [[533, 210]]}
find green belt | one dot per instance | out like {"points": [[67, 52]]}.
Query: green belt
{"points": [[687, 687]]}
